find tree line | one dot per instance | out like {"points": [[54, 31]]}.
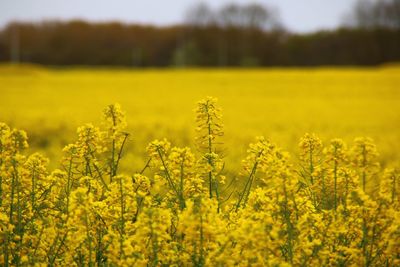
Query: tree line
{"points": [[235, 35]]}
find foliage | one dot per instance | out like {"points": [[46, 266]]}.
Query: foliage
{"points": [[228, 44]]}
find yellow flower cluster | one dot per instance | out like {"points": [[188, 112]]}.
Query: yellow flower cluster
{"points": [[178, 210], [209, 130]]}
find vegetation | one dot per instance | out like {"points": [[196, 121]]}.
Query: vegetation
{"points": [[233, 35], [115, 44], [282, 104], [180, 210], [375, 14], [149, 188]]}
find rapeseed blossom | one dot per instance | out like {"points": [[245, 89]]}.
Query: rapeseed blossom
{"points": [[181, 209]]}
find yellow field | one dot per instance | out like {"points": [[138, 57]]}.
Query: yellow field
{"points": [[281, 104], [112, 199]]}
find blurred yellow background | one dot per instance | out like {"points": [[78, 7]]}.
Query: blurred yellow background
{"points": [[281, 104]]}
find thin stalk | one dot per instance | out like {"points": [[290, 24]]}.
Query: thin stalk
{"points": [[364, 153], [335, 177], [154, 246], [38, 242], [181, 197], [58, 249], [89, 240], [112, 166], [19, 219], [311, 163], [33, 190], [69, 183], [112, 160], [217, 195], [139, 205], [344, 200], [119, 156], [168, 176], [201, 263], [210, 178], [122, 232], [51, 249], [101, 176], [146, 166], [247, 187], [324, 194], [289, 226]]}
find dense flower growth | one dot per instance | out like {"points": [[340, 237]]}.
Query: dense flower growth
{"points": [[179, 210]]}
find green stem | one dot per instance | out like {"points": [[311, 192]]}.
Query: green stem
{"points": [[168, 176], [33, 190], [335, 177], [181, 195], [210, 177], [89, 240], [119, 156], [249, 182], [364, 166], [146, 166], [122, 232], [289, 225]]}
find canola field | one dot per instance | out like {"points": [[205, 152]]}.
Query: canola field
{"points": [[289, 167], [281, 104]]}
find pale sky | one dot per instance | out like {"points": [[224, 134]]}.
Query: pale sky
{"points": [[297, 15]]}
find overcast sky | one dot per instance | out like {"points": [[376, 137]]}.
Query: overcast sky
{"points": [[297, 15]]}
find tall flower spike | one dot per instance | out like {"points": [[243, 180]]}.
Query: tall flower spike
{"points": [[115, 123], [209, 130], [390, 186], [4, 132], [335, 155], [310, 149], [18, 141], [114, 118], [364, 159], [209, 125]]}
